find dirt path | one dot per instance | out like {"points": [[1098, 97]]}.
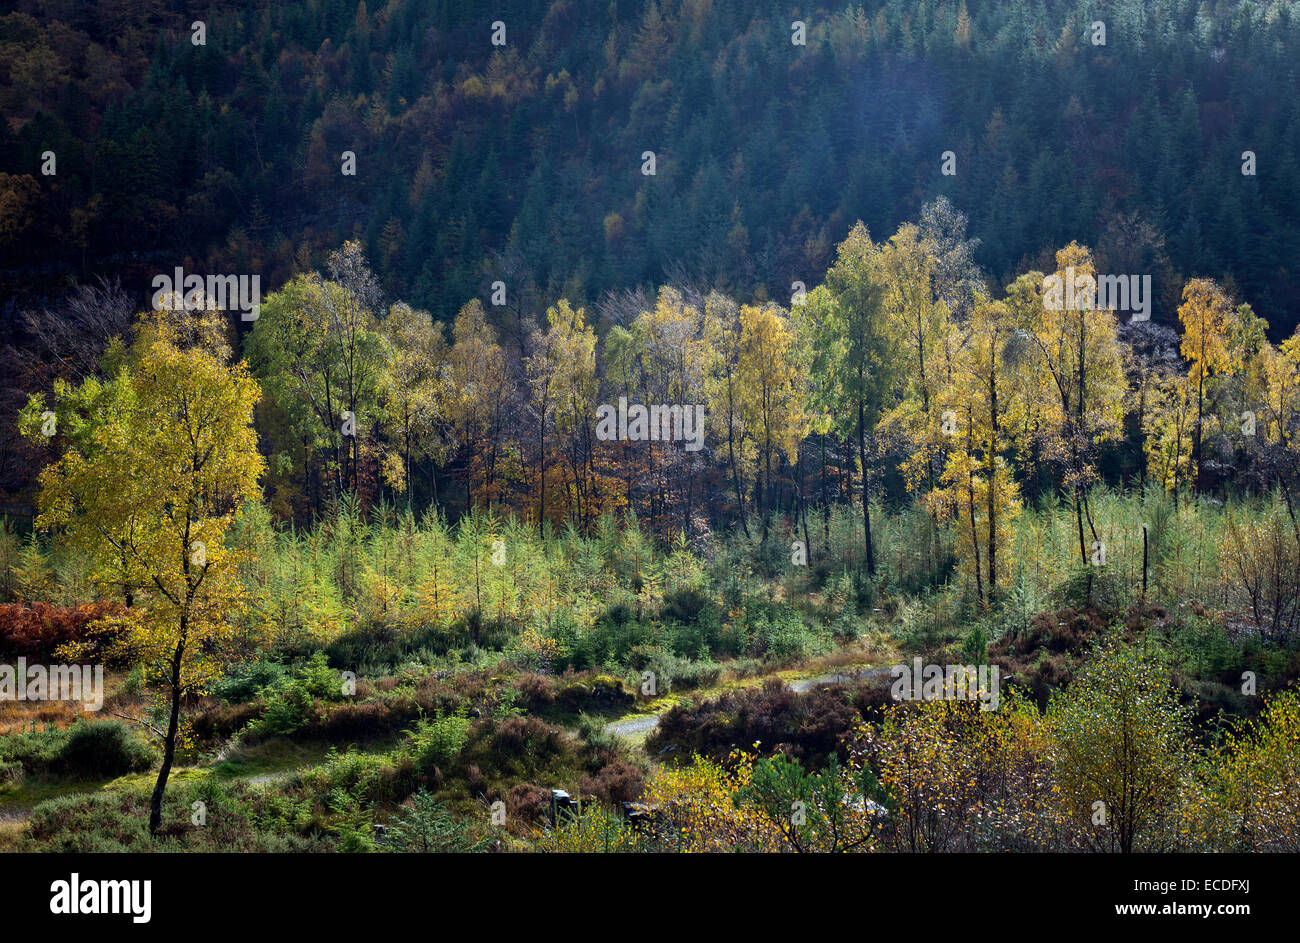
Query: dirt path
{"points": [[638, 726]]}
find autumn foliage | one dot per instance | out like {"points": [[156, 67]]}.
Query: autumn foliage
{"points": [[39, 630]]}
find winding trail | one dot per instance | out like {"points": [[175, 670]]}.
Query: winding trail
{"points": [[641, 725]]}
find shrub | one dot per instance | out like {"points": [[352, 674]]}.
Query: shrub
{"points": [[426, 826], [437, 742], [517, 749], [318, 679], [600, 694], [694, 624], [286, 712], [596, 737], [688, 607], [527, 803], [975, 646], [97, 822], [291, 702], [218, 722], [366, 721], [614, 783], [244, 681], [31, 754], [38, 630], [1122, 737], [596, 831], [808, 727], [102, 749], [350, 777], [537, 692], [117, 821], [526, 737], [1262, 575], [616, 633], [10, 772], [134, 683], [381, 647], [779, 634], [1099, 588], [681, 674]]}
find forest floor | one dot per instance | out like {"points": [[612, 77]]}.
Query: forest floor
{"points": [[277, 760]]}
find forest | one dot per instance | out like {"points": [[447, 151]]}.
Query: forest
{"points": [[584, 470]]}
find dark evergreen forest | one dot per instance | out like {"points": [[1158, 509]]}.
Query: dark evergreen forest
{"points": [[522, 162]]}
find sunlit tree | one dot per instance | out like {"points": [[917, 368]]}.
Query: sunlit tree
{"points": [[164, 458]]}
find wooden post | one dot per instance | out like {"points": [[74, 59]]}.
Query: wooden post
{"points": [[1144, 569]]}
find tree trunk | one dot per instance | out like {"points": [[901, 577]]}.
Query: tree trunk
{"points": [[410, 483], [1144, 567], [866, 488], [826, 505], [992, 475], [735, 472], [1078, 517], [803, 503], [970, 504], [1290, 510], [974, 534], [1196, 441], [173, 726], [541, 461]]}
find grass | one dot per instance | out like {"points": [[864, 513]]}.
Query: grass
{"points": [[271, 757], [22, 716]]}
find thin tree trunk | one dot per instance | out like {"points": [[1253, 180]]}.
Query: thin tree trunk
{"points": [[803, 504], [866, 487], [992, 474], [1144, 566], [1078, 517], [541, 460], [735, 473], [974, 533], [173, 726], [826, 505]]}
